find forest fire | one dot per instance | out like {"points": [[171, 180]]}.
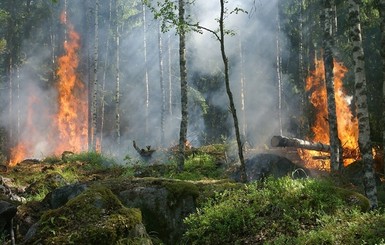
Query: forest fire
{"points": [[347, 123], [71, 118], [68, 125]]}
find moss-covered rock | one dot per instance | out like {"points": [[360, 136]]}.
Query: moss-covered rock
{"points": [[94, 217]]}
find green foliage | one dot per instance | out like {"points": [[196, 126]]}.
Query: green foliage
{"points": [[281, 211], [92, 160], [200, 166]]}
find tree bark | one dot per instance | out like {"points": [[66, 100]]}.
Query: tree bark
{"points": [[282, 141], [95, 76], [361, 103], [146, 82], [102, 97], [279, 70], [183, 86], [381, 9], [117, 77], [328, 42], [162, 88], [229, 93]]}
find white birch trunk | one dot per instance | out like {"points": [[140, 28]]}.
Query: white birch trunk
{"points": [[95, 77], [361, 103]]}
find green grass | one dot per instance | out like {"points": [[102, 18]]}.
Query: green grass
{"points": [[285, 211]]}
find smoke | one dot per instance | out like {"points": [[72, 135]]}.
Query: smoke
{"points": [[251, 52]]}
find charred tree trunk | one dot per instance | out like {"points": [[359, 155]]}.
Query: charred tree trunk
{"points": [[282, 141], [335, 143], [361, 103], [183, 86]]}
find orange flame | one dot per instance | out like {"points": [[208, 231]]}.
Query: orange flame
{"points": [[68, 131], [71, 118], [346, 122]]}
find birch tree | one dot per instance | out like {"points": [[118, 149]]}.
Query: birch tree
{"points": [[95, 77], [162, 87], [361, 103], [335, 143], [117, 76]]}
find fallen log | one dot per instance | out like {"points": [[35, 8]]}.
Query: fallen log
{"points": [[282, 141]]}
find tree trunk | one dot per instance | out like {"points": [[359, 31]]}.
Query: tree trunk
{"points": [[361, 103], [169, 75], [282, 141], [95, 76], [102, 97], [243, 109], [117, 78], [146, 82], [279, 70], [162, 87], [381, 9], [229, 93], [335, 143], [183, 86]]}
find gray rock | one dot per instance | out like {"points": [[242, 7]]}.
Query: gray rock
{"points": [[62, 195], [7, 212], [263, 165]]}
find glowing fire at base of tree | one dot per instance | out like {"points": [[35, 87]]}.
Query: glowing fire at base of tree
{"points": [[68, 131], [347, 123]]}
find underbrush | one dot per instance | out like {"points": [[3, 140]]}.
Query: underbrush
{"points": [[286, 211], [197, 167]]}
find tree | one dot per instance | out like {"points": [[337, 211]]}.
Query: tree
{"points": [[95, 78], [381, 9], [361, 103], [335, 143], [229, 93], [183, 84]]}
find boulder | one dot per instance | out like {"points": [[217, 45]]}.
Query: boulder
{"points": [[7, 212], [62, 195], [95, 216], [263, 165]]}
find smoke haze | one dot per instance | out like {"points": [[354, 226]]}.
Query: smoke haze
{"points": [[251, 52]]}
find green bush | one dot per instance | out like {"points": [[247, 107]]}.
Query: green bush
{"points": [[281, 211]]}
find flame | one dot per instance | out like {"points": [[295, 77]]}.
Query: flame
{"points": [[68, 126], [347, 123], [71, 118]]}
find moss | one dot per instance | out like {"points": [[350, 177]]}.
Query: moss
{"points": [[94, 217], [354, 198], [179, 189]]}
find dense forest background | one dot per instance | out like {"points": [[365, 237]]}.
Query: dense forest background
{"points": [[127, 72]]}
